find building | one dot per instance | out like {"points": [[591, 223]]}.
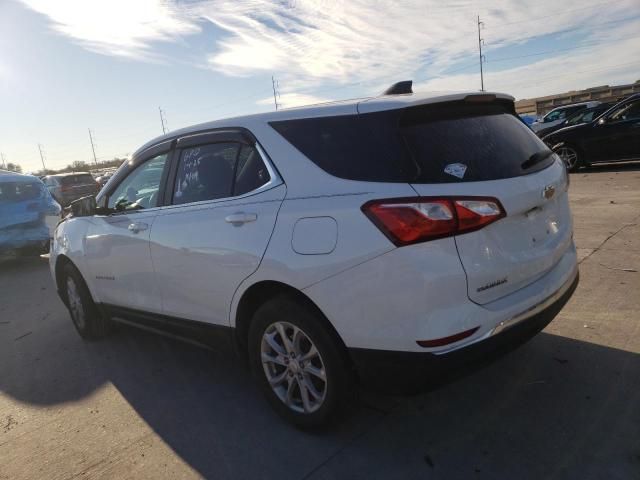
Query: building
{"points": [[542, 105]]}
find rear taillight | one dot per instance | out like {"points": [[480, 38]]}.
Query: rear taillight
{"points": [[65, 188], [419, 219]]}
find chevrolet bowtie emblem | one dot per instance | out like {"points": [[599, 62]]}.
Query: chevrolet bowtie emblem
{"points": [[548, 192]]}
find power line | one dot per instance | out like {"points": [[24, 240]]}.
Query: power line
{"points": [[163, 120], [594, 44], [44, 168], [529, 20], [93, 149], [276, 93], [544, 79], [481, 57], [581, 27]]}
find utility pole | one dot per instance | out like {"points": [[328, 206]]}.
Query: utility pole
{"points": [[93, 148], [163, 120], [42, 158], [276, 93], [480, 41], [4, 162]]}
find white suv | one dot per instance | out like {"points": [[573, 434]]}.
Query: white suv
{"points": [[362, 242]]}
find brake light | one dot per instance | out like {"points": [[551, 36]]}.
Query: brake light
{"points": [[419, 219], [65, 188]]}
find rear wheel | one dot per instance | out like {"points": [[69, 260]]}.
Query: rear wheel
{"points": [[299, 366], [570, 157], [86, 317]]}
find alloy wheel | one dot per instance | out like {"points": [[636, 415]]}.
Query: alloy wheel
{"points": [[75, 303], [569, 156], [294, 367]]}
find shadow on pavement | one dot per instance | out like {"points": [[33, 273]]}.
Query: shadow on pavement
{"points": [[555, 406]]}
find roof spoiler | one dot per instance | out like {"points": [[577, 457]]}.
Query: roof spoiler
{"points": [[399, 88]]}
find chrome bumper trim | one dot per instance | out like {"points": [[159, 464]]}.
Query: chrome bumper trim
{"points": [[537, 308]]}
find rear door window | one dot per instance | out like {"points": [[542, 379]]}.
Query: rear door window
{"points": [[218, 170], [77, 180], [440, 143]]}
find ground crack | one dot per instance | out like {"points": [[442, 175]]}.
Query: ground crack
{"points": [[609, 238]]}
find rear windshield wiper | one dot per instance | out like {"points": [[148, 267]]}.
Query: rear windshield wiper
{"points": [[536, 158]]}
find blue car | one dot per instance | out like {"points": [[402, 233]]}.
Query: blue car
{"points": [[26, 211]]}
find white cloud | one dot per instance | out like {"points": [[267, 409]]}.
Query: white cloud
{"points": [[310, 45], [362, 40], [125, 28]]}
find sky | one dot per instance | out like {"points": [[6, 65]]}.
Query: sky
{"points": [[67, 66]]}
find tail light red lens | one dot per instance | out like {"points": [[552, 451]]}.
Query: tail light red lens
{"points": [[419, 219]]}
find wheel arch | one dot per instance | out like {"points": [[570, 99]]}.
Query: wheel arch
{"points": [[262, 291]]}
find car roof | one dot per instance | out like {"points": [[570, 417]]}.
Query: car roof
{"points": [[571, 105], [68, 174], [7, 176], [327, 109]]}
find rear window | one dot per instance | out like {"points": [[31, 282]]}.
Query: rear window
{"points": [[77, 179], [19, 191], [442, 143]]}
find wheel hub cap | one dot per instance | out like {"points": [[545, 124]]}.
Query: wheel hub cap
{"points": [[75, 303], [293, 367]]}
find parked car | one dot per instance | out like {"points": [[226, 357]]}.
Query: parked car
{"points": [[67, 187], [582, 116], [367, 242], [528, 119], [613, 136], [560, 114], [103, 179], [25, 205]]}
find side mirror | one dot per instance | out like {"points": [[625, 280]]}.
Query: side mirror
{"points": [[83, 207]]}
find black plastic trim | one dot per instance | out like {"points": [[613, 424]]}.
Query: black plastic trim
{"points": [[414, 372], [216, 337]]}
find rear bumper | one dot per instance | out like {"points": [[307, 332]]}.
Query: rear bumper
{"points": [[412, 372]]}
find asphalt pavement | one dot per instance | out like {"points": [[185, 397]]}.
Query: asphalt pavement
{"points": [[135, 405]]}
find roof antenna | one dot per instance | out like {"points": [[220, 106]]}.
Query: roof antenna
{"points": [[399, 88]]}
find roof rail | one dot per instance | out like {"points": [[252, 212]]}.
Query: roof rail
{"points": [[399, 88]]}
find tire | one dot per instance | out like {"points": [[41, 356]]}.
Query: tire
{"points": [[325, 399], [571, 157], [86, 317]]}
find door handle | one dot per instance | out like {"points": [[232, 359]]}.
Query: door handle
{"points": [[137, 227], [241, 218]]}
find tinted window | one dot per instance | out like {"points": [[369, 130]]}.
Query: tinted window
{"points": [[417, 144], [629, 111], [19, 191], [251, 172], [77, 179], [555, 115], [140, 188], [205, 172]]}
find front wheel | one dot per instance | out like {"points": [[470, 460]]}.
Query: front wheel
{"points": [[299, 366], [86, 317], [570, 157]]}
